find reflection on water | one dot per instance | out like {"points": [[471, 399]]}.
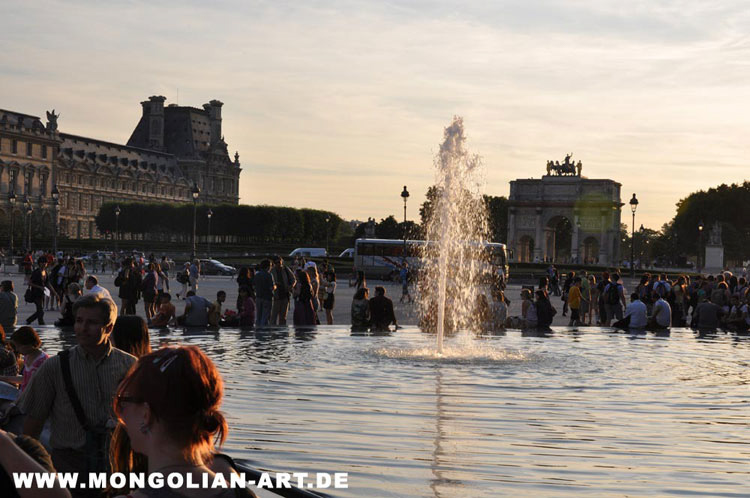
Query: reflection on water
{"points": [[561, 413]]}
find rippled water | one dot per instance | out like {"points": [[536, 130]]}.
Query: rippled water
{"points": [[591, 412]]}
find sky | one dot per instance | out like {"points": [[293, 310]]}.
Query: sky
{"points": [[337, 105]]}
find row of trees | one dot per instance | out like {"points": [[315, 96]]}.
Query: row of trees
{"points": [[676, 242], [390, 228], [680, 239], [242, 224]]}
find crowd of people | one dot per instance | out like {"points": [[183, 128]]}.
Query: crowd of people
{"points": [[657, 302], [267, 293], [112, 405]]}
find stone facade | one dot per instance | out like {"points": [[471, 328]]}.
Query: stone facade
{"points": [[588, 209], [170, 150], [193, 136], [27, 157]]}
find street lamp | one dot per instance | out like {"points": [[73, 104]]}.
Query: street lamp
{"points": [[117, 227], [328, 222], [208, 215], [633, 207], [12, 200], [196, 192], [29, 210], [405, 196], [700, 244], [56, 200]]}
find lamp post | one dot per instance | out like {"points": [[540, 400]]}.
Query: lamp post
{"points": [[208, 215], [196, 192], [700, 244], [12, 200], [405, 196], [117, 227], [328, 224], [29, 210], [633, 207], [56, 201]]}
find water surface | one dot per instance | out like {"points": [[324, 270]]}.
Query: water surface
{"points": [[590, 412]]}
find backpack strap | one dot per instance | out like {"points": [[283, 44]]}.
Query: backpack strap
{"points": [[70, 390]]}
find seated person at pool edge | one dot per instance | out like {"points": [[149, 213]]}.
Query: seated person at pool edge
{"points": [[196, 311], [166, 312], [381, 310], [661, 317], [214, 316], [636, 316]]}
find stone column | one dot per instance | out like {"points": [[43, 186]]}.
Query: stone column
{"points": [[574, 239], [603, 242], [538, 238], [511, 235]]}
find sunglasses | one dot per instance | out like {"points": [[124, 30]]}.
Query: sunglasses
{"points": [[122, 398]]}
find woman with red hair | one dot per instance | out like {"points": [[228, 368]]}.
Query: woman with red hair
{"points": [[168, 409]]}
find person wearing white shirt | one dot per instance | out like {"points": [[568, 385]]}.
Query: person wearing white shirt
{"points": [[93, 287], [636, 310]]}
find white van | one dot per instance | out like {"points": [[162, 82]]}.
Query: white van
{"points": [[309, 252], [347, 253]]}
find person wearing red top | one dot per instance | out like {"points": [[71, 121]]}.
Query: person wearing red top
{"points": [[28, 264]]}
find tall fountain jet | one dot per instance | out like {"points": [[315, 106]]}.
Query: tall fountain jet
{"points": [[454, 261]]}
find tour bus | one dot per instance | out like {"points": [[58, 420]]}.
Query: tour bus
{"points": [[381, 258]]}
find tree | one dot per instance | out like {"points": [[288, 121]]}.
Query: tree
{"points": [[724, 204], [388, 228], [497, 209], [425, 210], [244, 223]]}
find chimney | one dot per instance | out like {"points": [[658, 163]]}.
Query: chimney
{"points": [[214, 116], [153, 114]]}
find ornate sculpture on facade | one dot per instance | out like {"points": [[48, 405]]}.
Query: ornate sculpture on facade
{"points": [[714, 237], [567, 168], [52, 120], [370, 228]]}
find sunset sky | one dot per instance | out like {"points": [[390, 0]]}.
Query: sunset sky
{"points": [[339, 104]]}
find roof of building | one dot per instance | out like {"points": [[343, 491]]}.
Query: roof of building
{"points": [[187, 132], [102, 152], [13, 118]]}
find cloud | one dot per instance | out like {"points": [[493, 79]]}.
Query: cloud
{"points": [[342, 102]]}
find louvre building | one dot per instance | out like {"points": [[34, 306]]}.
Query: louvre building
{"points": [[171, 149]]}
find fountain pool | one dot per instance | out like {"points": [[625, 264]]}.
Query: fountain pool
{"points": [[576, 412]]}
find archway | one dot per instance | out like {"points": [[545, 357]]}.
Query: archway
{"points": [[525, 249], [558, 236], [590, 250]]}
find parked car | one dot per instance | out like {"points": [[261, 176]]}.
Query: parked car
{"points": [[214, 267], [347, 253]]}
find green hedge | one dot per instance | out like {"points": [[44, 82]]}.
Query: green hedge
{"points": [[229, 223]]}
